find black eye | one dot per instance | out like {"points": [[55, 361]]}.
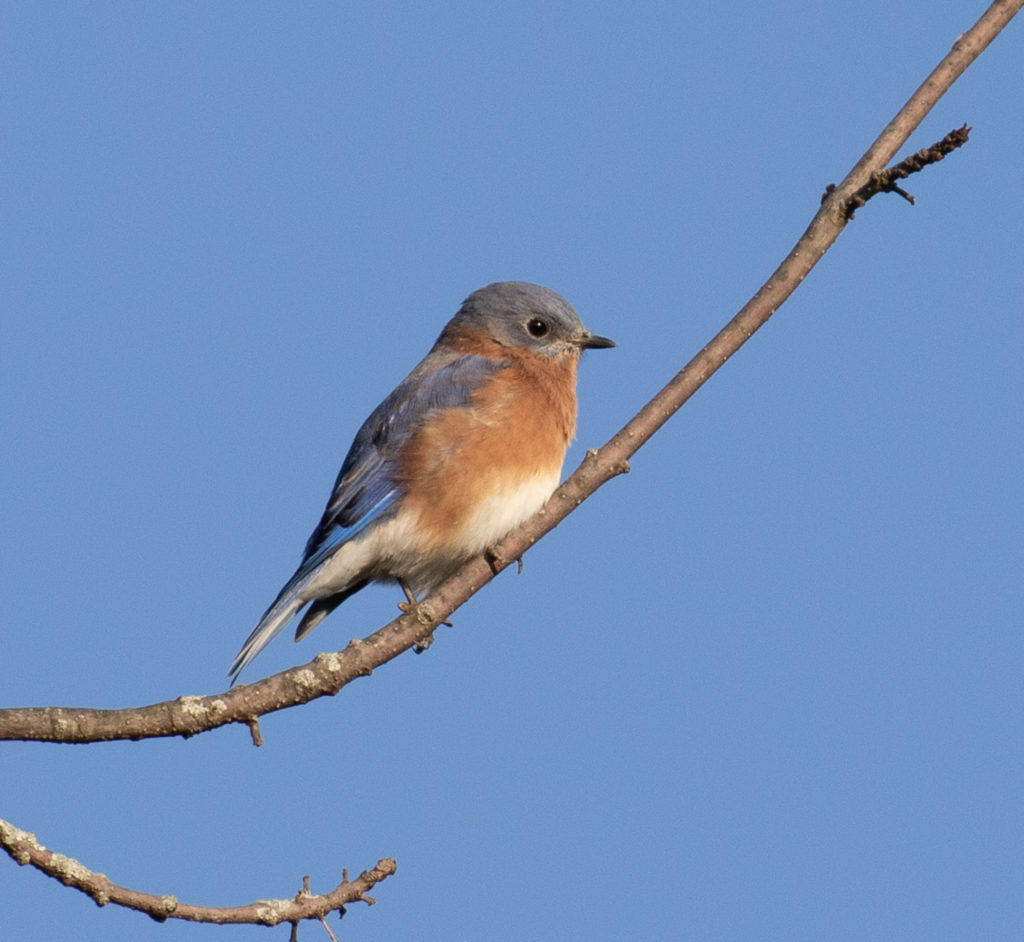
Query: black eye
{"points": [[536, 327]]}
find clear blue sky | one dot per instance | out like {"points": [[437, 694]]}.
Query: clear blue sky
{"points": [[768, 686]]}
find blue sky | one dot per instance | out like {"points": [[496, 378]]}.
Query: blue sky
{"points": [[767, 686]]}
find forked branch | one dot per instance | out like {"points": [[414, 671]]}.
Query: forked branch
{"points": [[24, 849]]}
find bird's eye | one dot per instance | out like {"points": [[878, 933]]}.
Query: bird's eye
{"points": [[536, 327]]}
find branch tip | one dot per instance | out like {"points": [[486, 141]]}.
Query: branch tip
{"points": [[327, 928], [254, 730], [884, 181]]}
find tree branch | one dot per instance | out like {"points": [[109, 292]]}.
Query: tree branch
{"points": [[23, 848], [328, 673], [884, 181]]}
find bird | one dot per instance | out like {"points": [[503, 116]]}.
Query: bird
{"points": [[468, 446]]}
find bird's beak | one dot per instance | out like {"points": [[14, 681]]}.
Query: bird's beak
{"points": [[593, 342]]}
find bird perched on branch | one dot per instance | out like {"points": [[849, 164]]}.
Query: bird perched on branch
{"points": [[467, 446]]}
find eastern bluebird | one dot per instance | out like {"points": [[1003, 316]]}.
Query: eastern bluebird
{"points": [[468, 446]]}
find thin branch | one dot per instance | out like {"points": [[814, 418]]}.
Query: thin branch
{"points": [[884, 181], [328, 673], [24, 849]]}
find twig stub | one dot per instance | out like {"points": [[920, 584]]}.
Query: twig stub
{"points": [[884, 181]]}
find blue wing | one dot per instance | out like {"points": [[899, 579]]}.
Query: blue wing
{"points": [[367, 485]]}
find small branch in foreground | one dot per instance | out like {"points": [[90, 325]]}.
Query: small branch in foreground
{"points": [[23, 848], [884, 181]]}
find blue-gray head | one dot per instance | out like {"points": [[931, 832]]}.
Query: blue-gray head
{"points": [[519, 314]]}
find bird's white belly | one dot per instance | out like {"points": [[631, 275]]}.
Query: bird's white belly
{"points": [[503, 510], [398, 548]]}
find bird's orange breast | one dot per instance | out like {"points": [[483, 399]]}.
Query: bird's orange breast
{"points": [[471, 474]]}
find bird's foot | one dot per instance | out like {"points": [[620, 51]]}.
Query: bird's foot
{"points": [[423, 612]]}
